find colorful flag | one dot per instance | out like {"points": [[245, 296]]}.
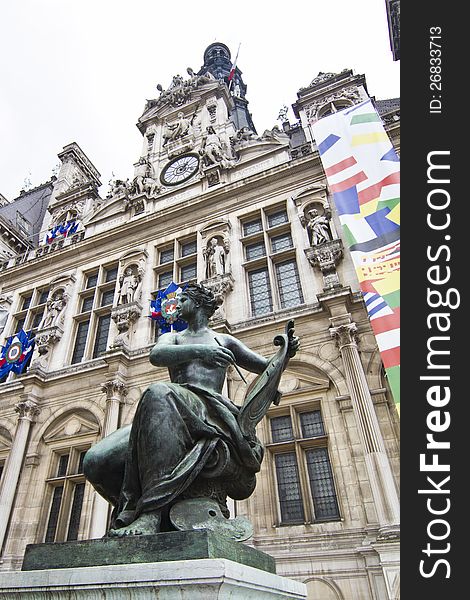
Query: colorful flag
{"points": [[232, 70], [16, 353], [363, 173], [164, 309], [62, 230]]}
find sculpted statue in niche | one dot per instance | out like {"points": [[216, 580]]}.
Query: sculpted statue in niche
{"points": [[55, 305], [215, 256], [318, 228], [212, 150], [189, 446], [129, 285]]}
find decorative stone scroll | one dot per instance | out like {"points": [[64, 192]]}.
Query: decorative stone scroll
{"points": [[326, 257]]}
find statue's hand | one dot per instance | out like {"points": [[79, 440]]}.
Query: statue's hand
{"points": [[218, 356], [293, 340], [294, 344]]}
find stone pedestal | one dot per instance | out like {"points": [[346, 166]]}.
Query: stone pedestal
{"points": [[203, 579], [171, 546]]}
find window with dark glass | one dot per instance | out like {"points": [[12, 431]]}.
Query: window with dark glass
{"points": [[277, 218], [302, 435], [167, 255], [107, 297], [255, 250], [288, 485], [67, 487], [260, 292], [321, 483], [101, 337], [87, 303], [96, 298], [188, 272], [188, 248], [252, 226], [164, 280], [276, 285], [281, 429], [26, 303], [92, 280], [281, 242], [290, 292], [80, 341], [111, 274], [30, 312]]}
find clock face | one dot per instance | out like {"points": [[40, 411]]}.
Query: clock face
{"points": [[180, 169]]}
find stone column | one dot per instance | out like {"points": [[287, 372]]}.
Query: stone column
{"points": [[27, 410], [116, 392], [377, 463]]}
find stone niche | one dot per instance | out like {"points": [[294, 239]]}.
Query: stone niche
{"points": [[127, 306]]}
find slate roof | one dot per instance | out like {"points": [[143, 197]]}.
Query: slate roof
{"points": [[32, 206]]}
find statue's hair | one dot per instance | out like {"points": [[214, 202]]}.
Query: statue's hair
{"points": [[202, 296]]}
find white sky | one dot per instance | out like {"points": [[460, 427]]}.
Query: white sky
{"points": [[81, 70]]}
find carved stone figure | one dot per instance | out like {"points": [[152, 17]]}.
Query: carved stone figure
{"points": [[54, 307], [144, 180], [176, 130], [245, 134], [317, 228], [118, 187], [128, 283], [212, 150], [214, 255], [5, 301], [188, 443]]}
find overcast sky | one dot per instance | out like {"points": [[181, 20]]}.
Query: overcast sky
{"points": [[80, 71]]}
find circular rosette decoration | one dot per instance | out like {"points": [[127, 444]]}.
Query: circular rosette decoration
{"points": [[164, 309]]}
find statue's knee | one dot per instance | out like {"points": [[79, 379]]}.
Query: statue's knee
{"points": [[92, 465], [158, 393]]}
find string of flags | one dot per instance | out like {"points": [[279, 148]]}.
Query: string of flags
{"points": [[363, 173], [16, 353], [164, 311], [61, 231]]}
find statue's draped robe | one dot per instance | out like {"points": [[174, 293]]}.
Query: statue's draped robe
{"points": [[173, 435]]}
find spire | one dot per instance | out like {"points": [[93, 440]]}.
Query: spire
{"points": [[218, 61]]}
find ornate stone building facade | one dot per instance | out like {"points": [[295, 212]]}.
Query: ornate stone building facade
{"points": [[251, 216]]}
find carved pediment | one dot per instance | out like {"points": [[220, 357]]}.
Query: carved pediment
{"points": [[109, 209], [71, 425]]}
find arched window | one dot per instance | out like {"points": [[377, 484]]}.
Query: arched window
{"points": [[67, 500]]}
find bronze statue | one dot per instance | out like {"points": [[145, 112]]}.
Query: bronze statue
{"points": [[187, 440]]}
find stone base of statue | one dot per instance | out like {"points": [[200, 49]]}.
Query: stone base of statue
{"points": [[200, 565]]}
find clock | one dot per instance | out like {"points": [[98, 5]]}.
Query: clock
{"points": [[180, 169]]}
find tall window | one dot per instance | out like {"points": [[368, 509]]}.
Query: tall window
{"points": [[93, 320], [303, 474], [270, 261], [176, 261], [66, 488], [31, 307]]}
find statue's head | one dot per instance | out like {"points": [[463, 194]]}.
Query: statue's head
{"points": [[203, 297]]}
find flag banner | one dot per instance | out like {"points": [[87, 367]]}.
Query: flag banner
{"points": [[61, 231], [16, 353], [363, 173], [232, 70], [164, 311]]}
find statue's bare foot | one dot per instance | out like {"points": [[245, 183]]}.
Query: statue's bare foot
{"points": [[145, 524]]}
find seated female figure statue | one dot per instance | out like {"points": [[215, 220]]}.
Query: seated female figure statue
{"points": [[187, 440]]}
